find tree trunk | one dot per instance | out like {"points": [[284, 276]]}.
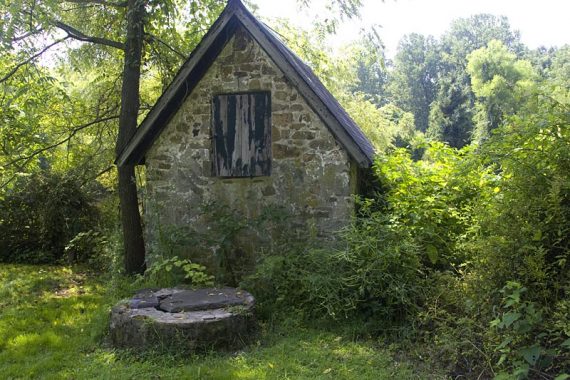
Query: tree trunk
{"points": [[134, 253]]}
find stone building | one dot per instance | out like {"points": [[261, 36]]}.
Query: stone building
{"points": [[248, 125]]}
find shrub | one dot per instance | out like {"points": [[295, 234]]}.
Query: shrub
{"points": [[174, 271], [40, 214], [89, 248], [372, 275], [432, 200]]}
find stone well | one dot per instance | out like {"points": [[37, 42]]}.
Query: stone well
{"points": [[187, 320]]}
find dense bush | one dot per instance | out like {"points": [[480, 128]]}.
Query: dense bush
{"points": [[502, 309], [432, 200], [374, 277], [381, 266], [39, 216], [522, 246]]}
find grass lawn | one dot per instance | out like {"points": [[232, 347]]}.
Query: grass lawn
{"points": [[53, 322]]}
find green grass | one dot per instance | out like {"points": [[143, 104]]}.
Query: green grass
{"points": [[53, 322]]}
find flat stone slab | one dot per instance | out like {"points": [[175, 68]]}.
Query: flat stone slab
{"points": [[150, 297], [186, 320], [204, 299]]}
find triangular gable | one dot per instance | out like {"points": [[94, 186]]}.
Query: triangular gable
{"points": [[345, 130]]}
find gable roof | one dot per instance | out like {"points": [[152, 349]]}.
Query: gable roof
{"points": [[345, 130]]}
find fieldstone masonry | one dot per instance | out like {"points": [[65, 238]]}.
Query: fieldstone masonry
{"points": [[312, 177], [188, 320]]}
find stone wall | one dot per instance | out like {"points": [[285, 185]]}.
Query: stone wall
{"points": [[312, 177]]}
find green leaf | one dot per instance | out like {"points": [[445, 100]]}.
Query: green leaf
{"points": [[432, 253], [509, 319], [531, 354], [504, 343], [521, 372], [537, 235], [502, 359], [563, 376]]}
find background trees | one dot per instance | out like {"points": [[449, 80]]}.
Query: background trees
{"points": [[413, 83], [501, 84], [453, 109]]}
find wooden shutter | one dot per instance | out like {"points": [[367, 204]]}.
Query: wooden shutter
{"points": [[242, 135]]}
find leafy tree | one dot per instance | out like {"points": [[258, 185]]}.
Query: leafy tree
{"points": [[115, 29], [559, 69], [468, 34], [540, 59], [366, 58], [334, 12], [402, 126], [386, 127], [451, 114], [501, 82], [413, 81]]}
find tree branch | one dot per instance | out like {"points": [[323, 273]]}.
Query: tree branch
{"points": [[120, 4], [56, 144], [28, 34], [30, 59], [155, 38], [78, 35]]}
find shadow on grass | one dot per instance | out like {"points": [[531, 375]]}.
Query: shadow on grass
{"points": [[296, 354]]}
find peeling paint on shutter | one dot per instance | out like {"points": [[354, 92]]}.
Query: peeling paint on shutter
{"points": [[242, 135]]}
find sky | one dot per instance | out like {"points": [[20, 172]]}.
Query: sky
{"points": [[540, 22]]}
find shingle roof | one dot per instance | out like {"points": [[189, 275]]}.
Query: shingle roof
{"points": [[345, 130]]}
